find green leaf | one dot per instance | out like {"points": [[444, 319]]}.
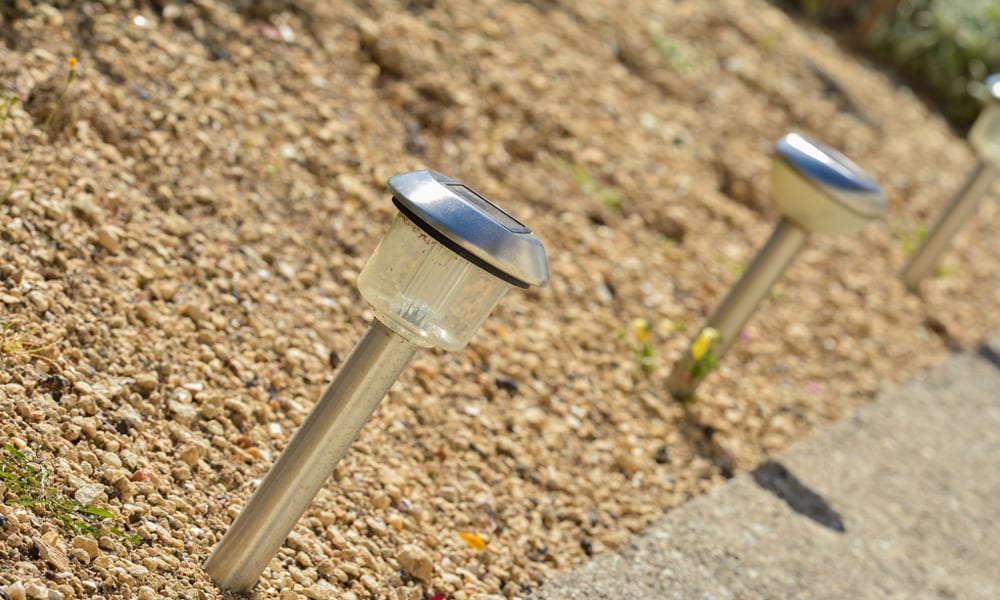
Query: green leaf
{"points": [[97, 512]]}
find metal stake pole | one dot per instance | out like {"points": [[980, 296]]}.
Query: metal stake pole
{"points": [[309, 459], [741, 302], [961, 208]]}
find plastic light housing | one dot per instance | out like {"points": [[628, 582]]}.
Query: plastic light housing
{"points": [[426, 292], [446, 261]]}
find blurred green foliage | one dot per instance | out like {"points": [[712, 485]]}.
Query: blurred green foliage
{"points": [[944, 47]]}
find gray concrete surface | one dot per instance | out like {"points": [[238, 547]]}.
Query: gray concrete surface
{"points": [[913, 479]]}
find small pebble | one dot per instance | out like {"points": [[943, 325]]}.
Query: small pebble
{"points": [[416, 562], [87, 494]]}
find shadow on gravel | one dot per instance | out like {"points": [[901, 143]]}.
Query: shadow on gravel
{"points": [[775, 478], [988, 353]]}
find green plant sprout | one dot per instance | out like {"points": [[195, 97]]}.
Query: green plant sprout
{"points": [[590, 186], [26, 482], [45, 129], [8, 106], [668, 327], [769, 40], [911, 240], [670, 52], [945, 271], [643, 352], [703, 352], [733, 266]]}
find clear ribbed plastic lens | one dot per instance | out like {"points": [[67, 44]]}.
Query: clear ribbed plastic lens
{"points": [[426, 292]]}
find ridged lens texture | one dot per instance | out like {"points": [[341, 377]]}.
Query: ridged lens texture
{"points": [[425, 292]]}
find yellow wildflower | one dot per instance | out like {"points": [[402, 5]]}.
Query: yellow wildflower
{"points": [[703, 344], [641, 329]]}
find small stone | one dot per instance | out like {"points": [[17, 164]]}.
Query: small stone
{"points": [[39, 300], [108, 239], [88, 493], [37, 591], [321, 590], [191, 454], [102, 562], [138, 571], [88, 545], [182, 413], [146, 383], [303, 559], [375, 526], [16, 591], [146, 593], [181, 472], [416, 562], [52, 555], [165, 289]]}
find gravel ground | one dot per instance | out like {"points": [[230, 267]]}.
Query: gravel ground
{"points": [[897, 501], [179, 264]]}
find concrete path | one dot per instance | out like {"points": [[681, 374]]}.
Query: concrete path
{"points": [[900, 501]]}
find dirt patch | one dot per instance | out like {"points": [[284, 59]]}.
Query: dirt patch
{"points": [[182, 250]]}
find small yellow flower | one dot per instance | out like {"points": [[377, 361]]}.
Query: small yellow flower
{"points": [[72, 62], [641, 328], [666, 327], [72, 69], [474, 541], [704, 343]]}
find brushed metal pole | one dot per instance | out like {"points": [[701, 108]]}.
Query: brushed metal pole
{"points": [[739, 305], [309, 459], [961, 208]]}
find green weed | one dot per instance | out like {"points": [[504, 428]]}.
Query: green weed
{"points": [[25, 484]]}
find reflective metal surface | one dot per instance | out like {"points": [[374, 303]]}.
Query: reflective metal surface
{"points": [[472, 226], [835, 174], [741, 302], [309, 459], [961, 208]]}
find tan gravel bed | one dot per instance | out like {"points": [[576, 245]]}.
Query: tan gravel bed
{"points": [[179, 264]]}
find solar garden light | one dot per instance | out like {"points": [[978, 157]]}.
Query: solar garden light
{"points": [[817, 189], [446, 261], [985, 139]]}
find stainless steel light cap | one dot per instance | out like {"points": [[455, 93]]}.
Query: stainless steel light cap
{"points": [[823, 190], [471, 226]]}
